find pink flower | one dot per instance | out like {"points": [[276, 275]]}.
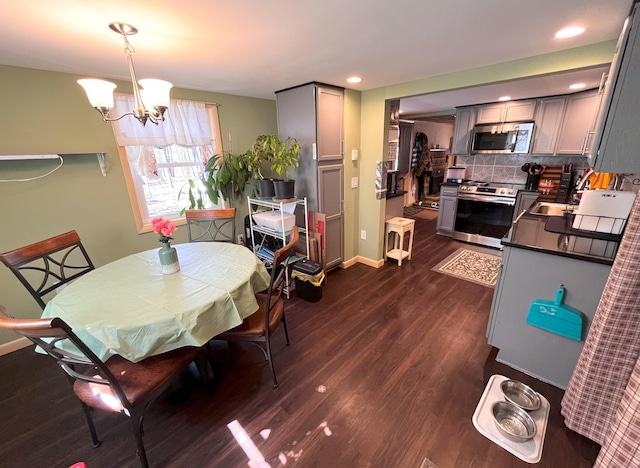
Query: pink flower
{"points": [[164, 227]]}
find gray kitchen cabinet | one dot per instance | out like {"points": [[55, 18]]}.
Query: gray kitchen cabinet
{"points": [[330, 190], [616, 145], [547, 125], [524, 200], [578, 123], [512, 111], [465, 120], [527, 275], [313, 113], [447, 210]]}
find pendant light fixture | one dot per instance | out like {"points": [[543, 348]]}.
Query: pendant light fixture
{"points": [[154, 92]]}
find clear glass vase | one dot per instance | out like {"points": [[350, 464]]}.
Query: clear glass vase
{"points": [[168, 255]]}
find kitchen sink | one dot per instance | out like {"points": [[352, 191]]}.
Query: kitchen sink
{"points": [[551, 209]]}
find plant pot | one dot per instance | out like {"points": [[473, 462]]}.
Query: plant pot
{"points": [[285, 189], [265, 188]]}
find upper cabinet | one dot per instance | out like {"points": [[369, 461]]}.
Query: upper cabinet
{"points": [[616, 146], [563, 125], [462, 129], [547, 125], [578, 123], [513, 111]]}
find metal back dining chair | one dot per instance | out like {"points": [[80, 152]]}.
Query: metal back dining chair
{"points": [[45, 266], [258, 327], [214, 225], [118, 385]]}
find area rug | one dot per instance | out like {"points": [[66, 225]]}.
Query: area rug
{"points": [[471, 265], [410, 211]]}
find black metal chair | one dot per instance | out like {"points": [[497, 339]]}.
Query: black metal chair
{"points": [[214, 225], [258, 327], [45, 266], [118, 385]]}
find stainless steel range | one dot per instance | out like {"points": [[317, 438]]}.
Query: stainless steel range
{"points": [[484, 212]]}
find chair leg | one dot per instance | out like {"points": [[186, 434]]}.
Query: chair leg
{"points": [[286, 332], [136, 422], [92, 428], [270, 359]]}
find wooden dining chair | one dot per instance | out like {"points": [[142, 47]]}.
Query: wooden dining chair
{"points": [[45, 266], [259, 327], [118, 385], [214, 225]]}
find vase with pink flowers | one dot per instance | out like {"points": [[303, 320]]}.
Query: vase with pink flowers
{"points": [[168, 255]]}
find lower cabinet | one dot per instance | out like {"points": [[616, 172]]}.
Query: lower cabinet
{"points": [[447, 210], [526, 275]]}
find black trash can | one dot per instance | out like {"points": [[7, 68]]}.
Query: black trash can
{"points": [[309, 277]]}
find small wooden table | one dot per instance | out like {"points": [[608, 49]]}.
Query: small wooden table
{"points": [[396, 228]]}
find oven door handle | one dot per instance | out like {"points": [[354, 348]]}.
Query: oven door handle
{"points": [[488, 199]]}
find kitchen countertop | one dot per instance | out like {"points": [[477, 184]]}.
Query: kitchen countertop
{"points": [[397, 193], [531, 232]]}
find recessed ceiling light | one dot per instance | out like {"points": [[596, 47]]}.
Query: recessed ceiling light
{"points": [[354, 79], [577, 86], [569, 32], [504, 98]]}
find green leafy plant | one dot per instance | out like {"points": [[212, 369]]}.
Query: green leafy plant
{"points": [[225, 176], [281, 154]]}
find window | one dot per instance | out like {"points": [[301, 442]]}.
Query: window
{"points": [[159, 160]]}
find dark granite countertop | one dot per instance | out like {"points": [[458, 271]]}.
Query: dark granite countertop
{"points": [[551, 235], [397, 193]]}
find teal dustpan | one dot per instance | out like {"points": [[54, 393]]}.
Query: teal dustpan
{"points": [[556, 317]]}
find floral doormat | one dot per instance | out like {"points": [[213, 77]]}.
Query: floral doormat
{"points": [[471, 265]]}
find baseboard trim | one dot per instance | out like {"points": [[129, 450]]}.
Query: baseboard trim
{"points": [[364, 260], [369, 262], [14, 345], [349, 263]]}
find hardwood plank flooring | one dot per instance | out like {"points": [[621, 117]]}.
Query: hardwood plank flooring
{"points": [[385, 371]]}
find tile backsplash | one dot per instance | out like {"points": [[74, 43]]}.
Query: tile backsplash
{"points": [[506, 168]]}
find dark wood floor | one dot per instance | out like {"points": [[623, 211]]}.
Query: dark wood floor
{"points": [[401, 354]]}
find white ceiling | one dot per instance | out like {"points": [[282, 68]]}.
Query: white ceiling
{"points": [[254, 48]]}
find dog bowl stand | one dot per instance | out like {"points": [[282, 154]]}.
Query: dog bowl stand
{"points": [[529, 451]]}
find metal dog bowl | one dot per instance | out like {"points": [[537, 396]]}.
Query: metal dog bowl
{"points": [[521, 395], [513, 422]]}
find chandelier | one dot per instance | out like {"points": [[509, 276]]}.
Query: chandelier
{"points": [[154, 92]]}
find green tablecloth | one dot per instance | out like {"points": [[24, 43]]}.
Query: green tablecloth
{"points": [[130, 308]]}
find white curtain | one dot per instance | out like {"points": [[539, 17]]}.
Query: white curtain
{"points": [[186, 123]]}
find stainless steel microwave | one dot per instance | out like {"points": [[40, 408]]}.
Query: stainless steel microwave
{"points": [[514, 137]]}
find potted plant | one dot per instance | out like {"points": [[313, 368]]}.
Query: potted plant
{"points": [[282, 155], [254, 158], [225, 176]]}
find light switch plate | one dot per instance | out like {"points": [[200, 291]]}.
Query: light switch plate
{"points": [[354, 155], [354, 182]]}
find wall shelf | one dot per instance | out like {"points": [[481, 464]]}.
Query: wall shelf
{"points": [[35, 157]]}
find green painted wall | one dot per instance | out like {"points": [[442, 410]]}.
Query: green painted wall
{"points": [[352, 124], [47, 112]]}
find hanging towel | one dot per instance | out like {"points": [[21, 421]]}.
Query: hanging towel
{"points": [[600, 180]]}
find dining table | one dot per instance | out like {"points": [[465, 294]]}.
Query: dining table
{"points": [[130, 308]]}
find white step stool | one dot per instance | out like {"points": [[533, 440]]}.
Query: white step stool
{"points": [[396, 228]]}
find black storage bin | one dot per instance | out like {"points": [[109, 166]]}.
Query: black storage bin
{"points": [[305, 289]]}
